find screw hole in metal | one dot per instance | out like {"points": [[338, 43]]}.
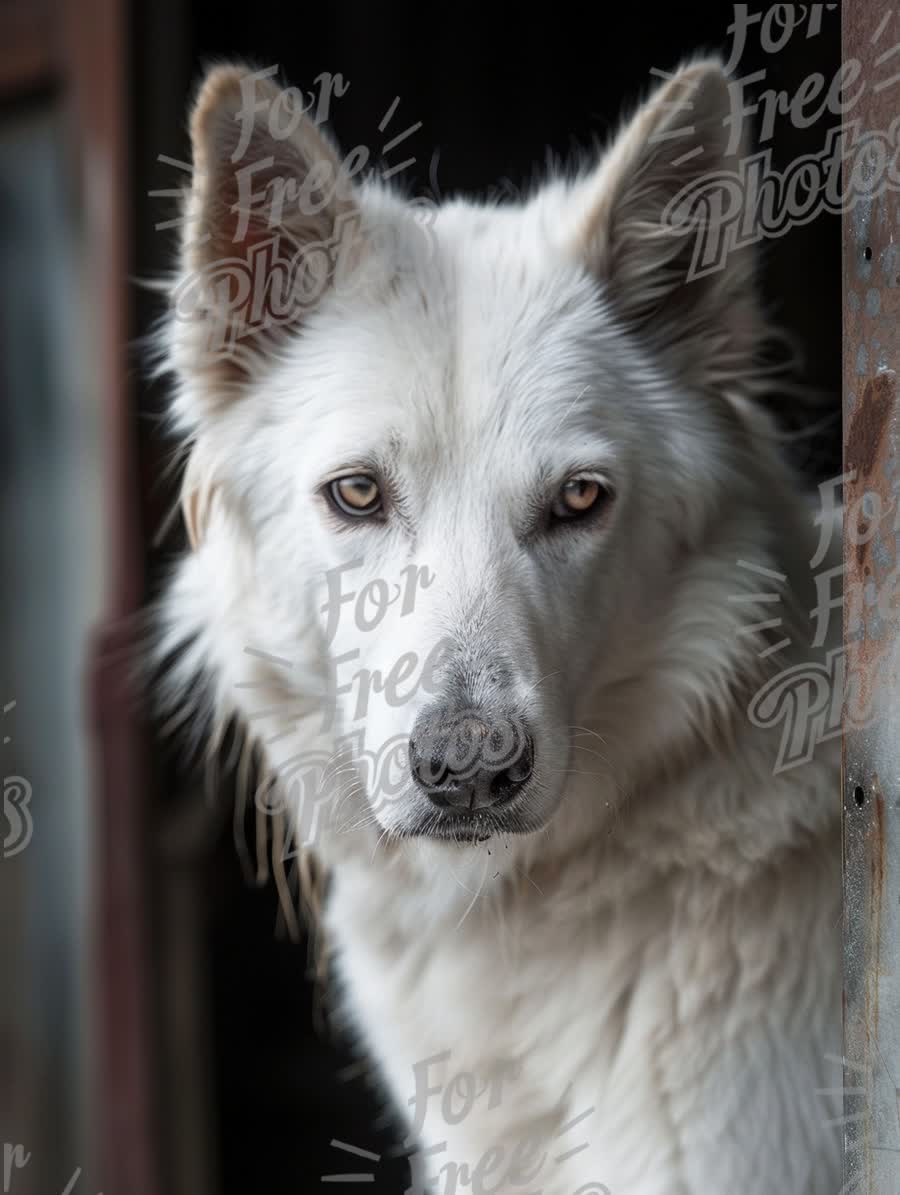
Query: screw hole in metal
{"points": [[859, 795]]}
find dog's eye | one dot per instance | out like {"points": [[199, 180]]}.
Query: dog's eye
{"points": [[356, 496], [578, 496]]}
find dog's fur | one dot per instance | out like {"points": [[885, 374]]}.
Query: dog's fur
{"points": [[651, 934]]}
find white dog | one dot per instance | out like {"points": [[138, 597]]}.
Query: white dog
{"points": [[487, 513]]}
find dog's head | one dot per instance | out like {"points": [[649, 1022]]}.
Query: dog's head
{"points": [[447, 466]]}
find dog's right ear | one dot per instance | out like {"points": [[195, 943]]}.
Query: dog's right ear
{"points": [[271, 215]]}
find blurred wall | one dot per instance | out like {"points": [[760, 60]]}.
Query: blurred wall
{"points": [[51, 528]]}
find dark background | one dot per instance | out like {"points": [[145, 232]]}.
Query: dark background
{"points": [[494, 89]]}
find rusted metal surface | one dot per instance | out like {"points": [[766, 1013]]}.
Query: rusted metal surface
{"points": [[871, 779]]}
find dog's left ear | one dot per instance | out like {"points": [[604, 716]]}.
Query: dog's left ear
{"points": [[654, 221]]}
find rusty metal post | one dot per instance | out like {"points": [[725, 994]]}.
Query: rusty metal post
{"points": [[871, 756]]}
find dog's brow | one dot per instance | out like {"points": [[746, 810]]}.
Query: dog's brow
{"points": [[395, 446], [386, 456], [381, 458]]}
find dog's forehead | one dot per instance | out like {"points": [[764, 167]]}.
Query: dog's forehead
{"points": [[488, 340], [519, 340], [509, 310]]}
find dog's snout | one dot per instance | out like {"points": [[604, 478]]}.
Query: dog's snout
{"points": [[467, 761]]}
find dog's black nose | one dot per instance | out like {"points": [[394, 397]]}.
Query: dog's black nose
{"points": [[464, 761]]}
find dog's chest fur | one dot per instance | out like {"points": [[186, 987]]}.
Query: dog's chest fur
{"points": [[685, 1019]]}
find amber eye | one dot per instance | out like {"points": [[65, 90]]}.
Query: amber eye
{"points": [[357, 495], [579, 496]]}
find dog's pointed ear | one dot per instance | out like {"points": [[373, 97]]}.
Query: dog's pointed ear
{"points": [[270, 212], [655, 222]]}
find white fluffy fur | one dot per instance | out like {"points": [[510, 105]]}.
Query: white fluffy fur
{"points": [[664, 947]]}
